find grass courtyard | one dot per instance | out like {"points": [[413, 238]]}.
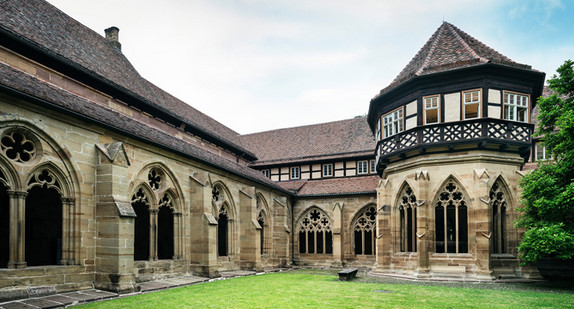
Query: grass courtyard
{"points": [[320, 289]]}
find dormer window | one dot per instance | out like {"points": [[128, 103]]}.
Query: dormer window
{"points": [[327, 170], [516, 106], [431, 109], [471, 104], [295, 172], [393, 123]]}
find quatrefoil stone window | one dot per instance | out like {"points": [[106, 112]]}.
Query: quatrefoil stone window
{"points": [[154, 179], [17, 147]]}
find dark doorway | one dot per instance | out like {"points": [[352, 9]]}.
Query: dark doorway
{"points": [[141, 231], [165, 233], [43, 227], [4, 227]]}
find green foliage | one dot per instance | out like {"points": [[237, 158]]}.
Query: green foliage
{"points": [[548, 192]]}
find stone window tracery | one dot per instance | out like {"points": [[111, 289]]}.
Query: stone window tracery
{"points": [[451, 226], [154, 179], [17, 147], [215, 194], [408, 220], [315, 234], [364, 231], [498, 207], [45, 179]]}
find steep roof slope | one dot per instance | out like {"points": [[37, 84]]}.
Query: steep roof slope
{"points": [[447, 49], [49, 29], [320, 141]]}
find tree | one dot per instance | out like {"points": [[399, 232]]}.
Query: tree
{"points": [[548, 192]]}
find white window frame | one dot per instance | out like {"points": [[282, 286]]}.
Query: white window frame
{"points": [[378, 131], [466, 103], [373, 166], [431, 103], [545, 153], [362, 167], [295, 172], [265, 173], [513, 103], [328, 170], [393, 122]]}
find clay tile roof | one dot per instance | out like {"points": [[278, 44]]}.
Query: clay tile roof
{"points": [[49, 29], [447, 49], [331, 140], [338, 186]]}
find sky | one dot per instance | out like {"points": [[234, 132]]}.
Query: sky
{"points": [[258, 65]]}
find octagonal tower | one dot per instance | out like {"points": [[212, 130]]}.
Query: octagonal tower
{"points": [[452, 133]]}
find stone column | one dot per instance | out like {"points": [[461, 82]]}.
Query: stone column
{"points": [[424, 215], [482, 223], [202, 248], [178, 235], [250, 236], [115, 219], [337, 241], [384, 236], [17, 229], [153, 233], [69, 231]]}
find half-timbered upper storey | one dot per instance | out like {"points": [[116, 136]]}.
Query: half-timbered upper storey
{"points": [[456, 94]]}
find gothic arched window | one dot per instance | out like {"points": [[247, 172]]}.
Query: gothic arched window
{"points": [[408, 220], [451, 226], [140, 204], [498, 207], [364, 231], [222, 232], [315, 235]]}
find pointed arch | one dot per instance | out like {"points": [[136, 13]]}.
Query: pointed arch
{"points": [[451, 205], [406, 208], [499, 205], [364, 230], [314, 228], [223, 230]]}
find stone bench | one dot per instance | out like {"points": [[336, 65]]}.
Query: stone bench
{"points": [[348, 274]]}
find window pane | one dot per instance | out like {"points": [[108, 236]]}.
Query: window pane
{"points": [[402, 229], [369, 242], [451, 229], [302, 238], [471, 111], [439, 228], [328, 242], [310, 242], [319, 241], [358, 242], [409, 230], [431, 116], [462, 230]]}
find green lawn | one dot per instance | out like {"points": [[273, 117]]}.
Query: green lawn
{"points": [[308, 290]]}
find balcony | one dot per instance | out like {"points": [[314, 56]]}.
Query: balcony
{"points": [[484, 133]]}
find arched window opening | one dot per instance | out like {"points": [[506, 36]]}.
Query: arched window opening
{"points": [[261, 221], [4, 226], [165, 225], [364, 231], [140, 204], [451, 226], [43, 224], [498, 205], [408, 220], [222, 232], [315, 235]]}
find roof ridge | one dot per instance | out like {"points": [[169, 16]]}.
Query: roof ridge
{"points": [[431, 51], [305, 125], [454, 29]]}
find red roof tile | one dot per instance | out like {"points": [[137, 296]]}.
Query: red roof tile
{"points": [[339, 186], [332, 140], [447, 49]]}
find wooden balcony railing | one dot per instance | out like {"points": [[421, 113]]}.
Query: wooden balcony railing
{"points": [[480, 130]]}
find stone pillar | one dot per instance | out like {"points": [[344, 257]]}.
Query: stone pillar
{"points": [[69, 231], [384, 236], [178, 235], [17, 229], [281, 238], [203, 236], [482, 223], [337, 241], [249, 239], [114, 221], [153, 233], [424, 215]]}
